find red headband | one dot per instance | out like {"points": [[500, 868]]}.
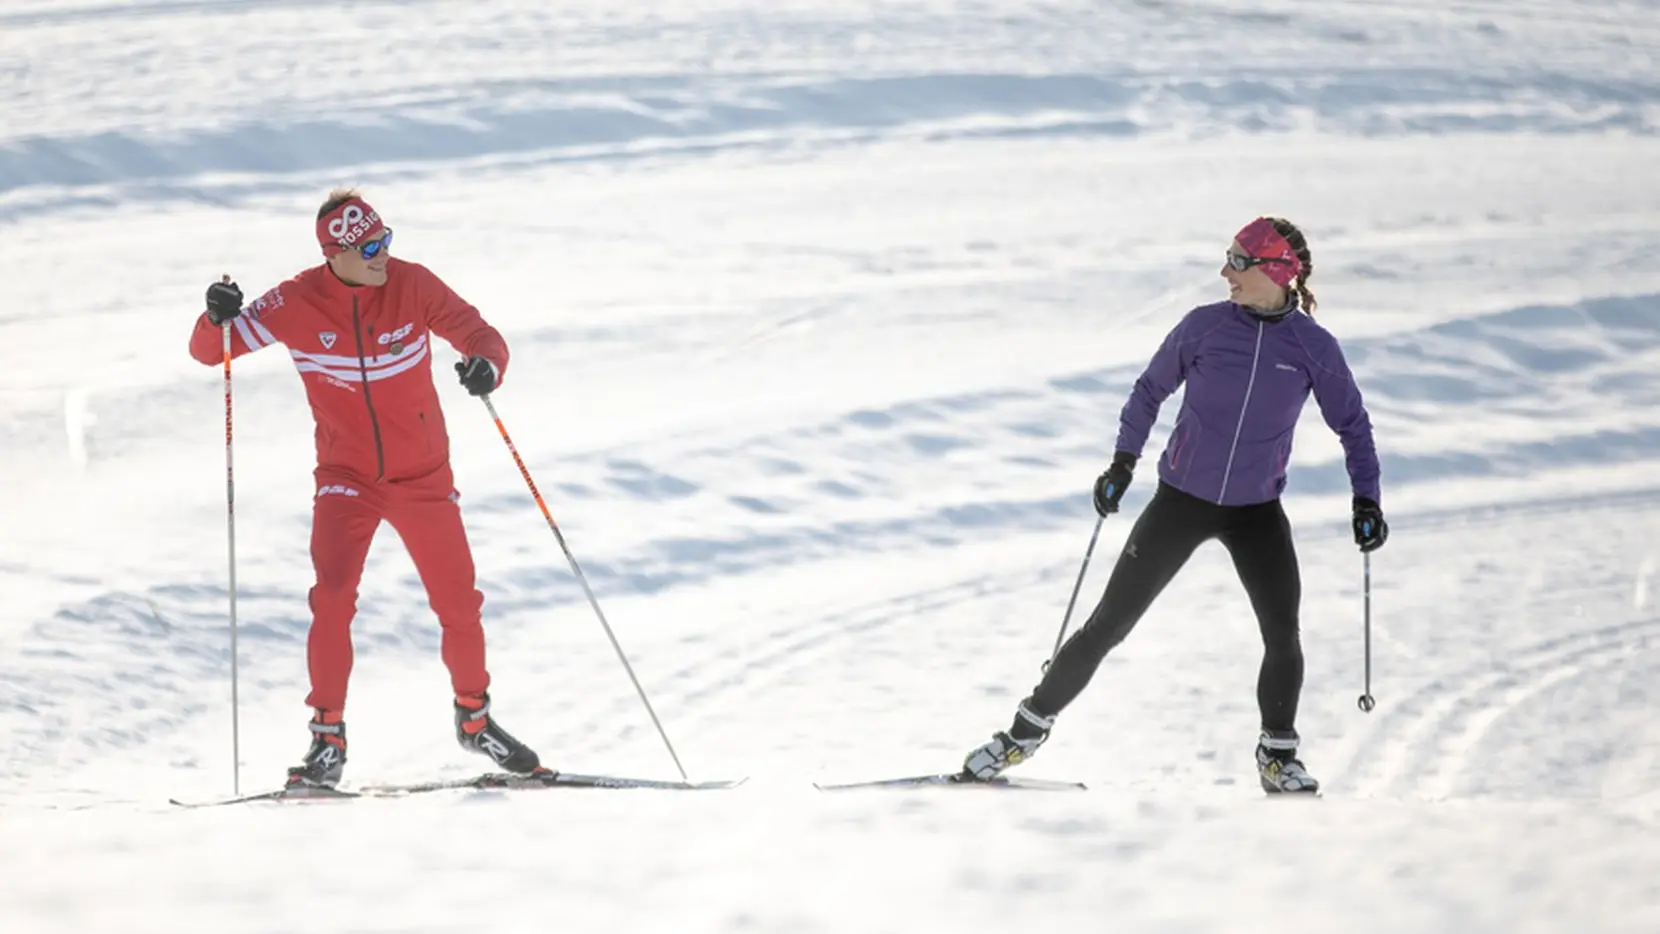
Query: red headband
{"points": [[348, 225], [1261, 240]]}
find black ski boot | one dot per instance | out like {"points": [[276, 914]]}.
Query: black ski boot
{"points": [[325, 761], [478, 732]]}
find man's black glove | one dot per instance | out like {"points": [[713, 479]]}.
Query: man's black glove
{"points": [[478, 375], [1110, 486], [1370, 529], [224, 302]]}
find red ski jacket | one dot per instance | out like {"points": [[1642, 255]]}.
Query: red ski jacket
{"points": [[365, 356]]}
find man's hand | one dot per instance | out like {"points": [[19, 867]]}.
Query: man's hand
{"points": [[224, 301], [478, 375]]}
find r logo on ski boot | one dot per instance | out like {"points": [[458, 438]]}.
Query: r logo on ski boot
{"points": [[478, 732]]}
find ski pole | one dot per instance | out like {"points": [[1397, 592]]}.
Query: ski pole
{"points": [[1061, 636], [230, 536], [581, 579], [1366, 702]]}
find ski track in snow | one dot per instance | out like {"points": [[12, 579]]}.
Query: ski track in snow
{"points": [[734, 79]]}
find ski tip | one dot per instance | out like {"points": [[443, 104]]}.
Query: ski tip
{"points": [[956, 780], [717, 784], [578, 780], [711, 784]]}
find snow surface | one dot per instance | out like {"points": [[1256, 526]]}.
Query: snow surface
{"points": [[822, 312]]}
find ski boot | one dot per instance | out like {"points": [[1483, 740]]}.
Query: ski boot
{"points": [[1278, 766], [325, 761], [1012, 747], [478, 732]]}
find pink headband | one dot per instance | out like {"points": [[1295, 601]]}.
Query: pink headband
{"points": [[1261, 240], [348, 225]]}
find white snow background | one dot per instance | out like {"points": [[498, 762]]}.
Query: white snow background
{"points": [[822, 312]]}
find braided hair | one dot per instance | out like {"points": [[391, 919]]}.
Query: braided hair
{"points": [[1299, 245]]}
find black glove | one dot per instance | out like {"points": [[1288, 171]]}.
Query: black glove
{"points": [[1110, 486], [224, 302], [478, 375], [1370, 529]]}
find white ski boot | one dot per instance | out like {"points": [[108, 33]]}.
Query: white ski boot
{"points": [[1010, 747], [1278, 766]]}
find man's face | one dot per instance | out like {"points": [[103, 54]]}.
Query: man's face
{"points": [[351, 266]]}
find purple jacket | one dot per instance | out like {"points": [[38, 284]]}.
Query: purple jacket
{"points": [[1247, 378]]}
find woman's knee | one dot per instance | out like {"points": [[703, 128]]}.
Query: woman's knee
{"points": [[1282, 635], [1103, 632]]}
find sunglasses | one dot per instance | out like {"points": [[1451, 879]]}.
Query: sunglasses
{"points": [[1239, 262], [372, 249]]}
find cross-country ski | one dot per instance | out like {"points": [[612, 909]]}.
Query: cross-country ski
{"points": [[292, 794], [508, 782], [494, 781], [957, 780]]}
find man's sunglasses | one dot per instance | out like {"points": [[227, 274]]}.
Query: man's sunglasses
{"points": [[1238, 262], [372, 249]]}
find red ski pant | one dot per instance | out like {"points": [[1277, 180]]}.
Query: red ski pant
{"points": [[424, 512]]}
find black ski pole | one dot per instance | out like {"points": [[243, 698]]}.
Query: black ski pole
{"points": [[1366, 702], [1061, 636]]}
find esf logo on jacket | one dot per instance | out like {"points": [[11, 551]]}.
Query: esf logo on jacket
{"points": [[395, 339]]}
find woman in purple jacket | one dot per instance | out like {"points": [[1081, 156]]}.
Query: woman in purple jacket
{"points": [[1249, 364]]}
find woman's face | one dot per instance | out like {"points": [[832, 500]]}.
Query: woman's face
{"points": [[1250, 286]]}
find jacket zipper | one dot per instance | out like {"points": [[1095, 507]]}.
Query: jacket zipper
{"points": [[1256, 355], [363, 370]]}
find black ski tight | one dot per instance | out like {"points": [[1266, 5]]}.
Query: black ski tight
{"points": [[1170, 529]]}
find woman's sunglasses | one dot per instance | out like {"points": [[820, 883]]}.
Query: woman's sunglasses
{"points": [[372, 249], [1238, 262]]}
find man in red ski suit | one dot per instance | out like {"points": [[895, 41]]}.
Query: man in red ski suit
{"points": [[359, 329]]}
